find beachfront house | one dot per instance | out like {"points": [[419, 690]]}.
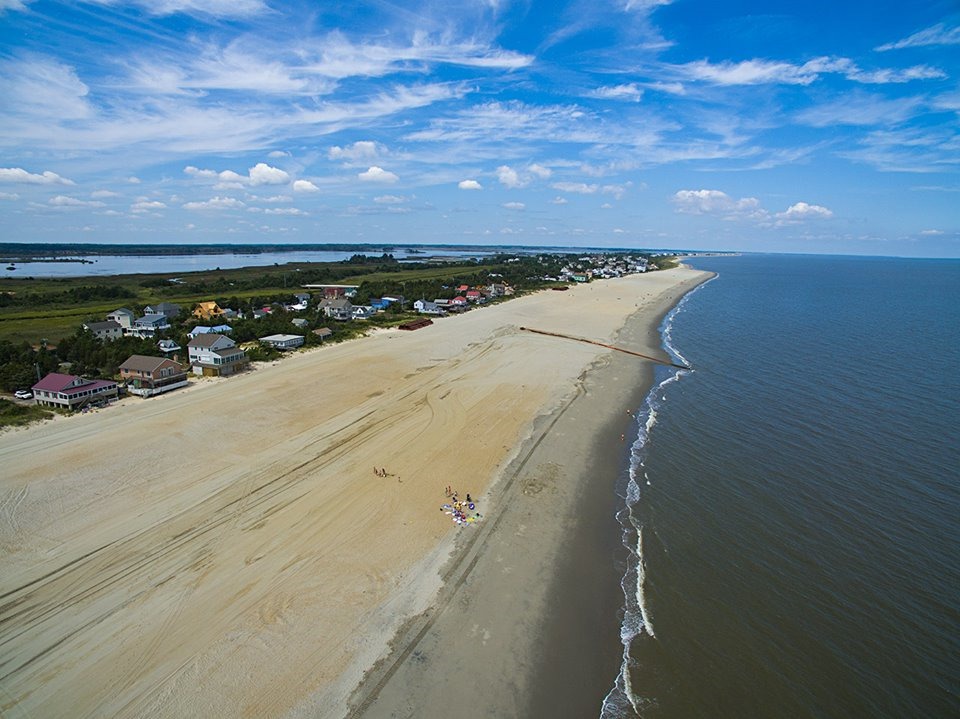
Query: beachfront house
{"points": [[426, 307], [283, 342], [148, 376], [149, 325], [323, 333], [106, 331], [213, 355], [339, 308], [123, 317], [363, 312], [167, 309], [72, 392]]}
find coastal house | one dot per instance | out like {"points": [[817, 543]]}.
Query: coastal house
{"points": [[337, 309], [323, 333], [363, 312], [459, 301], [123, 317], [426, 307], [168, 346], [207, 310], [474, 296], [499, 289], [148, 376], [167, 309], [106, 331], [204, 330], [149, 325], [299, 322], [213, 355], [72, 392], [283, 342]]}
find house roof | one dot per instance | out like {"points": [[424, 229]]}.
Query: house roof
{"points": [[200, 330], [280, 338], [151, 320], [166, 307], [168, 345], [208, 341], [69, 383], [102, 326], [323, 332], [143, 363], [121, 311], [339, 303]]}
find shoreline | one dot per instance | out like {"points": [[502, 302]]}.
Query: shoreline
{"points": [[226, 551], [537, 656]]}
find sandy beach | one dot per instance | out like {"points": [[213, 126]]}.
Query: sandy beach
{"points": [[228, 550]]}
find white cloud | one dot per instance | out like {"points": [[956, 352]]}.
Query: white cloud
{"points": [[215, 203], [628, 91], [938, 34], [701, 202], [540, 171], [64, 201], [931, 232], [578, 187], [559, 200], [758, 71], [278, 153], [19, 175], [133, 180], [644, 5], [259, 174], [103, 193], [215, 8], [509, 177], [389, 199], [361, 151], [37, 86], [304, 186], [13, 5], [147, 206], [263, 174], [9, 196], [285, 211], [802, 211], [377, 174], [514, 205], [469, 185]]}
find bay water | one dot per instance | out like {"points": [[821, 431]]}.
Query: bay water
{"points": [[792, 515]]}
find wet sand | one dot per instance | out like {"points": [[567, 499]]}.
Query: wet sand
{"points": [[227, 550]]}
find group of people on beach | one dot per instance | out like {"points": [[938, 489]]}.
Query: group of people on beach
{"points": [[463, 511]]}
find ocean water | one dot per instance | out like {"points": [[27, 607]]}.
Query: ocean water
{"points": [[792, 517]]}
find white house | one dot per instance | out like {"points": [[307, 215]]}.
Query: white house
{"points": [[122, 317], [215, 355], [426, 307], [283, 342]]}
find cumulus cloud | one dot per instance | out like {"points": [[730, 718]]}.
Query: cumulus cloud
{"points": [[147, 206], [509, 177], [278, 153], [9, 196], [377, 174], [360, 151], [293, 211], [389, 199], [259, 174], [802, 211], [540, 171], [469, 185], [703, 202], [305, 186], [559, 200], [19, 175], [216, 203], [938, 34], [514, 205]]}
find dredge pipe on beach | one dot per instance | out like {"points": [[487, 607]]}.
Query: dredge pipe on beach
{"points": [[601, 344]]}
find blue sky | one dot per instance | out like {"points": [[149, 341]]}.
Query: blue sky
{"points": [[775, 126]]}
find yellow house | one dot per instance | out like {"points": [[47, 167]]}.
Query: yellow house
{"points": [[207, 310]]}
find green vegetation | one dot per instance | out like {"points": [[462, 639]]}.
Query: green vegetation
{"points": [[16, 415]]}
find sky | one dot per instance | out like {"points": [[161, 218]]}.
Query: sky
{"points": [[814, 127]]}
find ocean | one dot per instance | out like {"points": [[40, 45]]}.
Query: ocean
{"points": [[792, 515]]}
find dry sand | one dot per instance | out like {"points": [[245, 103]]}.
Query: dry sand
{"points": [[227, 550]]}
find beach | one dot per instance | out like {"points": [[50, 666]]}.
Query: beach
{"points": [[229, 550]]}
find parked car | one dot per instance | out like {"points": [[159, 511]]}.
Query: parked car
{"points": [[23, 394]]}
